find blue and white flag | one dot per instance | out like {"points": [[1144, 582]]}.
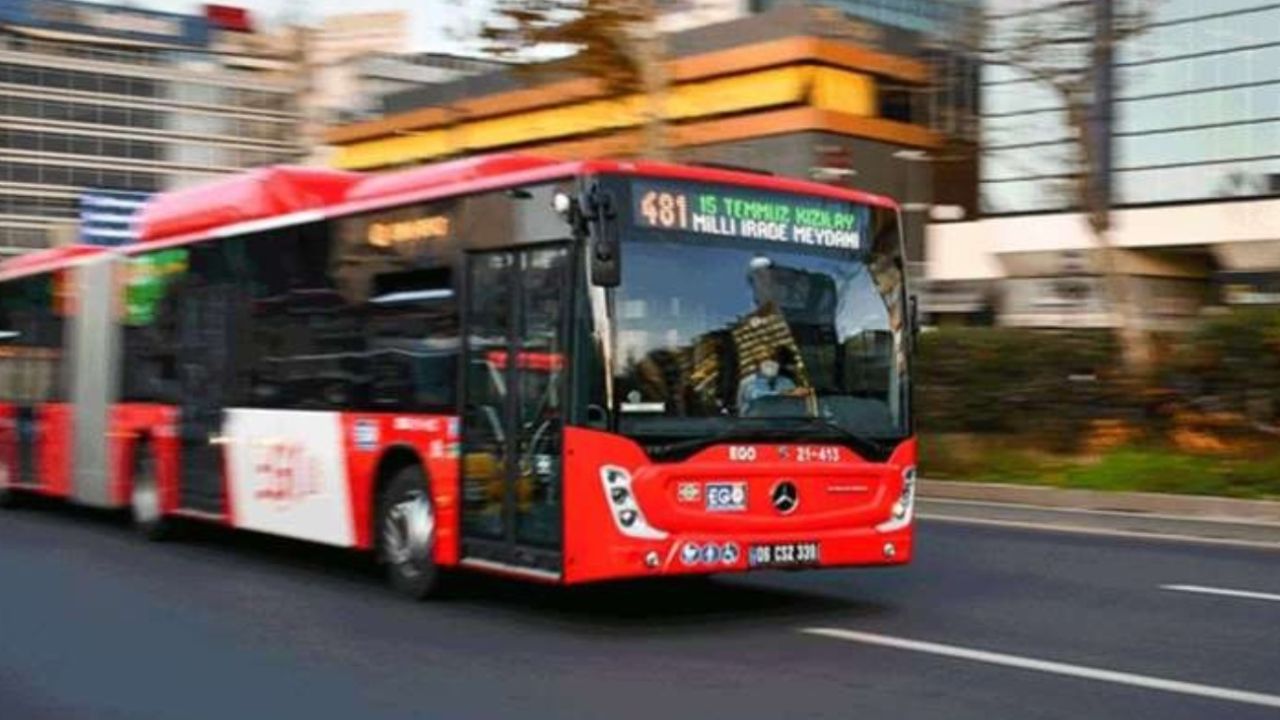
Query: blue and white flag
{"points": [[107, 217]]}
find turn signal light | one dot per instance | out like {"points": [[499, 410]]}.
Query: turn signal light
{"points": [[904, 508]]}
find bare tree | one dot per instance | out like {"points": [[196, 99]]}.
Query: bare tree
{"points": [[615, 41], [1066, 47]]}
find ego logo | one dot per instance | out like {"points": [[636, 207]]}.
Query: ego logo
{"points": [[285, 474]]}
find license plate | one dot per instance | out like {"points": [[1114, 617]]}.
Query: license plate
{"points": [[784, 555]]}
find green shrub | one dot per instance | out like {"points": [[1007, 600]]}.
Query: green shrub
{"points": [[1048, 385], [1016, 405], [1231, 362]]}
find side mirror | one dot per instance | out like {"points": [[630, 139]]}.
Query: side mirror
{"points": [[601, 209], [597, 417]]}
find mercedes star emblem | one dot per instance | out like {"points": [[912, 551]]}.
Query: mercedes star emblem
{"points": [[785, 497]]}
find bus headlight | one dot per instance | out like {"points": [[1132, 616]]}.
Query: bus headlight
{"points": [[904, 508], [627, 516]]}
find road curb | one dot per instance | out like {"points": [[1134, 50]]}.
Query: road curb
{"points": [[1188, 506]]}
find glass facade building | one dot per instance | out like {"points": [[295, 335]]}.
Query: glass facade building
{"points": [[1196, 114], [80, 114]]}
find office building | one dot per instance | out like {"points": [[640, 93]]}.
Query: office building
{"points": [[1195, 185], [357, 87], [794, 91], [347, 35], [98, 98]]}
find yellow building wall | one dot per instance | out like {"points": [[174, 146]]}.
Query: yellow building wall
{"points": [[849, 93]]}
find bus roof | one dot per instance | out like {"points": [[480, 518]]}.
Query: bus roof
{"points": [[282, 196], [49, 260], [256, 195], [456, 171]]}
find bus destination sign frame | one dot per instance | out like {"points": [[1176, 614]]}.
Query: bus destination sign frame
{"points": [[730, 211]]}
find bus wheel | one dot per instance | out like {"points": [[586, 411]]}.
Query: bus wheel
{"points": [[144, 499], [407, 535]]}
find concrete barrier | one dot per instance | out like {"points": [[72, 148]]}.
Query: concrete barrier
{"points": [[1187, 506]]}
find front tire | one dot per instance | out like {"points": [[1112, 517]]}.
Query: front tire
{"points": [[407, 535], [144, 498]]}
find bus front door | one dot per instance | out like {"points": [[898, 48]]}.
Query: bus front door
{"points": [[515, 321]]}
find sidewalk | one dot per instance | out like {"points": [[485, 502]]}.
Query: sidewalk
{"points": [[1252, 523]]}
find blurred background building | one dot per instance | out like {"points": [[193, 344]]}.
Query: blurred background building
{"points": [[101, 105], [98, 99], [1195, 186], [346, 35], [796, 89], [355, 88]]}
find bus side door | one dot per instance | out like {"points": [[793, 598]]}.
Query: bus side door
{"points": [[207, 320]]}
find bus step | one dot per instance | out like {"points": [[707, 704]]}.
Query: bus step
{"points": [[200, 515]]}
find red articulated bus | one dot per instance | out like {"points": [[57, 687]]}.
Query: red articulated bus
{"points": [[560, 371]]}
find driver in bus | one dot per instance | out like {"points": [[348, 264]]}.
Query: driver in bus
{"points": [[766, 381]]}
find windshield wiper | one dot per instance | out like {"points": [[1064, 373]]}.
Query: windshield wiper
{"points": [[733, 433], [863, 444], [772, 429]]}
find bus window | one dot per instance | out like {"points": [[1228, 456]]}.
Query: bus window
{"points": [[412, 333], [151, 287], [30, 341], [331, 331]]}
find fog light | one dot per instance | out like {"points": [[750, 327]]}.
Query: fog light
{"points": [[651, 559], [890, 550]]}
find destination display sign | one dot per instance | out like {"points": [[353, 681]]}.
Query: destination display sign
{"points": [[731, 211]]}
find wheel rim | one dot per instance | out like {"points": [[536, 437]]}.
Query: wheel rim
{"points": [[408, 532], [145, 497]]}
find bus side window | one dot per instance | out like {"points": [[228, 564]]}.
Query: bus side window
{"points": [[329, 331], [31, 344], [153, 287], [413, 340]]}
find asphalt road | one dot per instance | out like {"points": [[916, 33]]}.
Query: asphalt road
{"points": [[97, 624]]}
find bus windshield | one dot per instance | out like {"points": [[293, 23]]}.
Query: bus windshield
{"points": [[728, 327]]}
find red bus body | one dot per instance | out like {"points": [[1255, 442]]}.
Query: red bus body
{"points": [[850, 506]]}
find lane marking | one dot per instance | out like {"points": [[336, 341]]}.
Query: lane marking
{"points": [[1225, 592], [1049, 666], [1100, 532]]}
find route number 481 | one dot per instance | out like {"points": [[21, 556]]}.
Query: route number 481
{"points": [[665, 210]]}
